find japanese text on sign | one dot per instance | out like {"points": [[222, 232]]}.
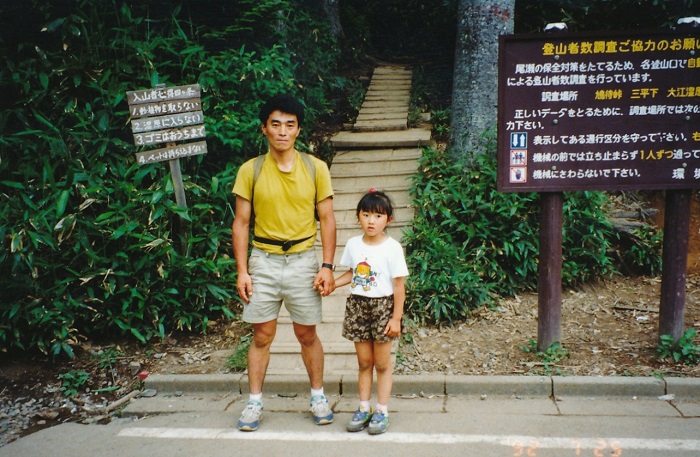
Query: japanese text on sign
{"points": [[580, 111], [167, 115], [176, 152]]}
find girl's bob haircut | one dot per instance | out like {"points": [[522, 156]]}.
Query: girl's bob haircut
{"points": [[375, 201]]}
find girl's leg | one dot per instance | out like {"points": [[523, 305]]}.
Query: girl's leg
{"points": [[365, 362], [382, 363]]}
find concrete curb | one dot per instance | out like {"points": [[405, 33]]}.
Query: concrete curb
{"points": [[440, 384]]}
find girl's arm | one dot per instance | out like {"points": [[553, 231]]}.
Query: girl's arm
{"points": [[393, 328], [344, 279]]}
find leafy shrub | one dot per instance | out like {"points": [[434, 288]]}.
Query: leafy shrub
{"points": [[470, 243], [554, 354], [72, 381], [644, 255], [238, 362], [684, 351]]}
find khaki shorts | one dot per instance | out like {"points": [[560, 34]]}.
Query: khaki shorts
{"points": [[287, 278], [366, 318]]}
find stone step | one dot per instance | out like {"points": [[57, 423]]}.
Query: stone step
{"points": [[387, 96], [343, 235], [395, 110], [340, 359], [396, 84], [376, 155], [402, 139], [382, 116], [333, 307], [334, 364], [348, 201], [328, 332], [380, 125], [363, 183], [287, 344], [384, 72], [385, 103], [399, 75], [386, 168], [348, 219]]}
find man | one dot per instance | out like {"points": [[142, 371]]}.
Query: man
{"points": [[279, 199]]}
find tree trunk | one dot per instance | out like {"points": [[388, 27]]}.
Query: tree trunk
{"points": [[332, 10], [475, 85]]}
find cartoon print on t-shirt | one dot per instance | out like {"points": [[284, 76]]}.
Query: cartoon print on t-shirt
{"points": [[364, 276]]}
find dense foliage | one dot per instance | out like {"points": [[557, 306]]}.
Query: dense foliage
{"points": [[470, 243], [89, 244]]}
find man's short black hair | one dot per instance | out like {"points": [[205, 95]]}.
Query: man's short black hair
{"points": [[285, 103]]}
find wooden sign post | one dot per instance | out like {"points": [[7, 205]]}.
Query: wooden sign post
{"points": [[170, 116]]}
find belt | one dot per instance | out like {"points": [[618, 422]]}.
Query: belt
{"points": [[286, 245]]}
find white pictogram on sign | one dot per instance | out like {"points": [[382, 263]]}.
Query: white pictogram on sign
{"points": [[518, 157], [518, 174], [518, 140]]}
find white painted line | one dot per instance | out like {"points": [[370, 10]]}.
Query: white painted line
{"points": [[517, 441]]}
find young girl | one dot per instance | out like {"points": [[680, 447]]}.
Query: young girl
{"points": [[375, 306]]}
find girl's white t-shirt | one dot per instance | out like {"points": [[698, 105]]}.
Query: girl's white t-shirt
{"points": [[374, 266]]}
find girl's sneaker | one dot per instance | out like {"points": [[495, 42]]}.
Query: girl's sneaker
{"points": [[359, 421], [378, 424]]}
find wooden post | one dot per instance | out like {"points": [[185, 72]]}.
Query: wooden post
{"points": [[549, 278], [674, 258], [176, 175], [179, 187]]}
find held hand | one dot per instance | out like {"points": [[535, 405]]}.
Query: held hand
{"points": [[393, 328], [244, 285], [324, 282]]}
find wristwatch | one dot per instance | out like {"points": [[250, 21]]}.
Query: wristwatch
{"points": [[328, 265]]}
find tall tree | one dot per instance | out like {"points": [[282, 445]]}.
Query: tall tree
{"points": [[332, 10], [475, 85]]}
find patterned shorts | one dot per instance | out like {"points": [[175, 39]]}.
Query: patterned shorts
{"points": [[366, 318]]}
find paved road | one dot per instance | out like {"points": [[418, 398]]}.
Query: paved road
{"points": [[202, 424]]}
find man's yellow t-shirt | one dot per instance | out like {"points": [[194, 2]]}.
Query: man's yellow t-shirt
{"points": [[283, 203]]}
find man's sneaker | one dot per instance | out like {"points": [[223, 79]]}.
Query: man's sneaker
{"points": [[378, 424], [359, 421], [251, 417], [321, 411]]}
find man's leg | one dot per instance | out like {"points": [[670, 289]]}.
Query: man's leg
{"points": [[311, 353], [258, 359], [259, 354]]}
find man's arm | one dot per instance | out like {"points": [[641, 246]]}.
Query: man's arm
{"points": [[324, 282], [240, 238]]}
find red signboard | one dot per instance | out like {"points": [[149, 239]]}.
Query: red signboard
{"points": [[614, 111]]}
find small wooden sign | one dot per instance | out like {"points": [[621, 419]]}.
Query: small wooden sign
{"points": [[160, 94], [166, 122], [167, 115], [162, 108], [169, 136], [172, 153]]}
